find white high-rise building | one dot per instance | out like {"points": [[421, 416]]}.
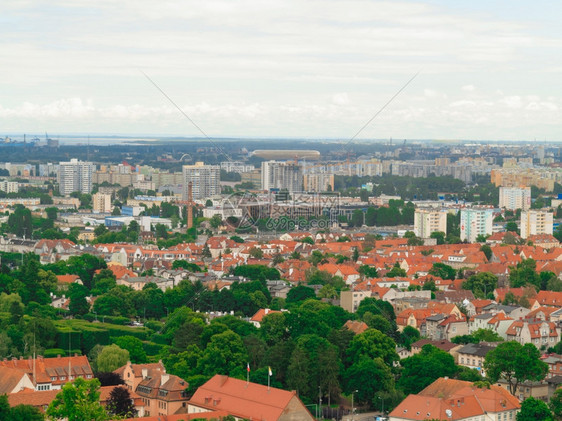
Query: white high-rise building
{"points": [[534, 222], [75, 176], [281, 175], [513, 198], [475, 222], [205, 179], [427, 221], [9, 186]]}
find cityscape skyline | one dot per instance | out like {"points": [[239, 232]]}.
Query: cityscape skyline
{"points": [[314, 70]]}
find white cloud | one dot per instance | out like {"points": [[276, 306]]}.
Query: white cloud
{"points": [[340, 99], [276, 68]]}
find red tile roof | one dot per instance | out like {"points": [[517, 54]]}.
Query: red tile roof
{"points": [[244, 400]]}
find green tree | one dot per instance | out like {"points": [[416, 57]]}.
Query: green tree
{"points": [[487, 250], [357, 218], [525, 274], [515, 363], [442, 271], [225, 354], [300, 293], [439, 236], [78, 304], [534, 410], [555, 404], [256, 253], [422, 369], [367, 376], [134, 346], [19, 412], [368, 271], [111, 358], [20, 222], [481, 284], [51, 213], [512, 227], [486, 335], [78, 401], [215, 221], [372, 344], [396, 271]]}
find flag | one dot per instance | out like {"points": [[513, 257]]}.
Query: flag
{"points": [[270, 372], [248, 367]]}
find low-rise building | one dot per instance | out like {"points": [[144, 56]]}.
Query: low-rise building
{"points": [[455, 400], [246, 400], [472, 356]]}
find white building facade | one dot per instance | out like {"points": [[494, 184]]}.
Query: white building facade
{"points": [[281, 175], [513, 198], [75, 176], [205, 180], [475, 222]]}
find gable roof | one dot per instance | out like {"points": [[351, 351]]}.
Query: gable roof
{"points": [[261, 313], [9, 379], [243, 399], [448, 399], [356, 326]]}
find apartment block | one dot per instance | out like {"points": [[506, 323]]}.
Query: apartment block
{"points": [[535, 222], [205, 179], [318, 182], [281, 175], [75, 176], [9, 186], [513, 198], [427, 221], [101, 203], [475, 222]]}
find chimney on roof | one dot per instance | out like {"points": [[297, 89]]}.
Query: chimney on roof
{"points": [[164, 378], [144, 373]]}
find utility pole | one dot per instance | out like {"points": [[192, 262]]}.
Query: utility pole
{"points": [[319, 403], [352, 404]]}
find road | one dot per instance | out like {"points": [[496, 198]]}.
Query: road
{"points": [[365, 416]]}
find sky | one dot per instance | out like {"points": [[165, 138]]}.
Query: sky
{"points": [[487, 70]]}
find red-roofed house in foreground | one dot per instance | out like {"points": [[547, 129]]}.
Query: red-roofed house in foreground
{"points": [[448, 399], [247, 400]]}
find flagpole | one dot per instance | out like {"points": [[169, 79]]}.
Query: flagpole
{"points": [[269, 374]]}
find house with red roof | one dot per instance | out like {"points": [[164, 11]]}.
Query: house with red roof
{"points": [[536, 332], [455, 400], [549, 299], [13, 380], [347, 272], [42, 399], [246, 400], [412, 317], [63, 281], [356, 326], [257, 318], [546, 241], [50, 373], [162, 393]]}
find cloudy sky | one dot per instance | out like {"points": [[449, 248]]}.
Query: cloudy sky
{"points": [[286, 68]]}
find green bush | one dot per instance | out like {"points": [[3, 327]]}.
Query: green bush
{"points": [[160, 339], [54, 352], [154, 325], [152, 348]]}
